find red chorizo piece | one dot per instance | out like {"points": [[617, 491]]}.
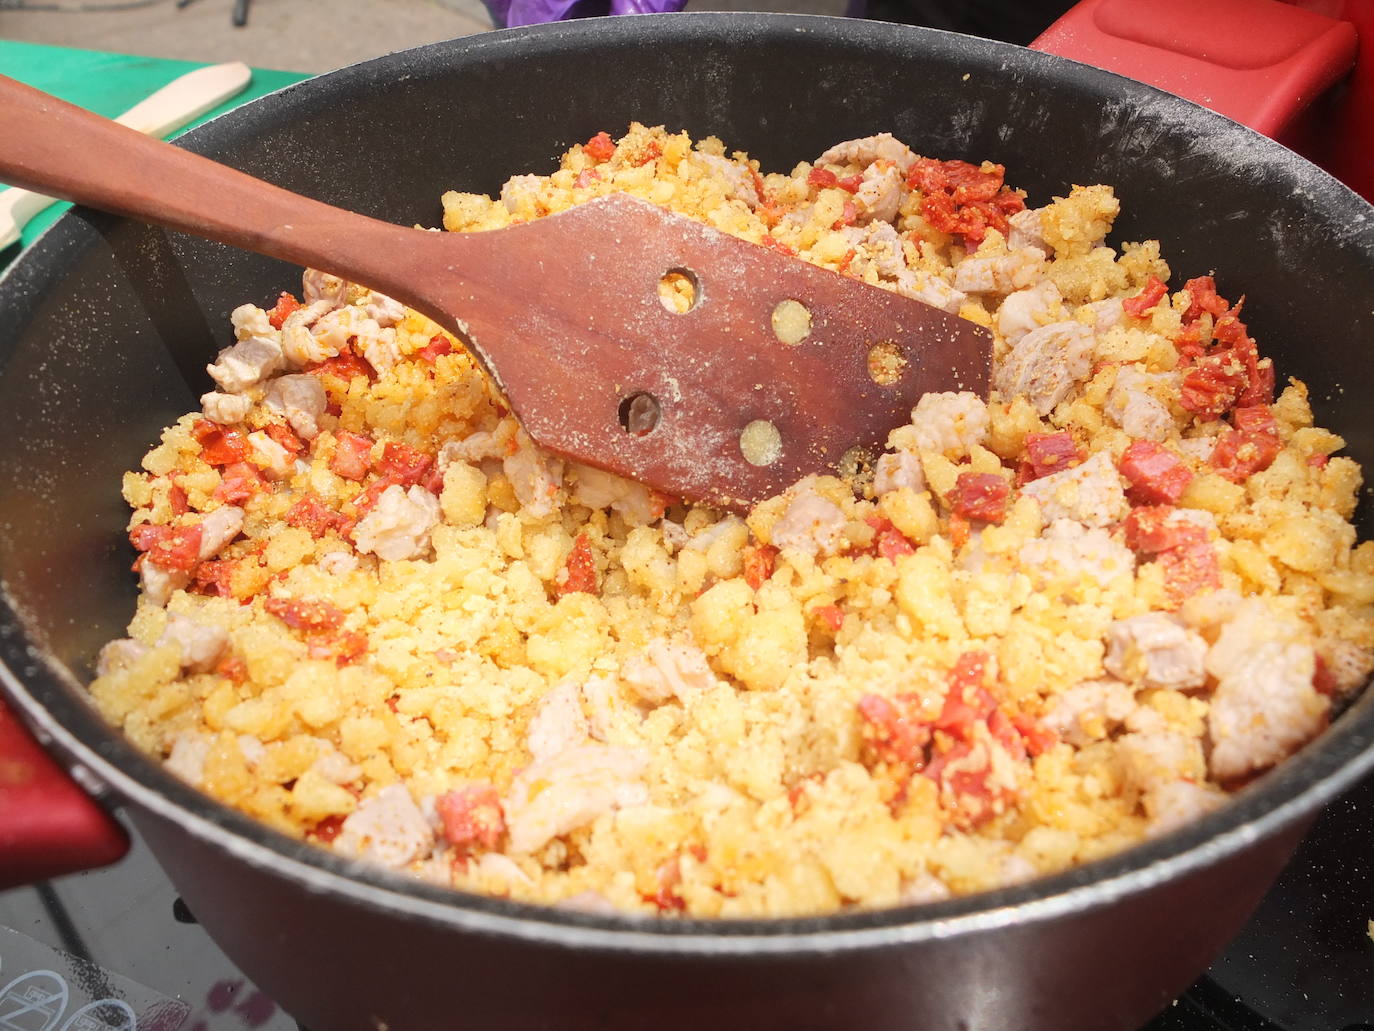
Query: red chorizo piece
{"points": [[311, 514], [1157, 475], [239, 482], [403, 464], [352, 455], [310, 615], [215, 577], [580, 569], [344, 366], [1148, 297], [831, 616], [220, 445], [759, 561], [888, 541], [1185, 555], [284, 436], [980, 496], [894, 731], [472, 817], [1250, 446], [177, 500], [600, 147], [172, 547], [962, 199], [1047, 453], [440, 344]]}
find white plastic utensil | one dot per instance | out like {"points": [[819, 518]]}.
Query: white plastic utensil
{"points": [[178, 103]]}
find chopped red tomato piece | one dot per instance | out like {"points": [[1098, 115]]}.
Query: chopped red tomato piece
{"points": [[600, 147], [352, 455], [286, 304], [1146, 299], [403, 464], [1157, 475], [438, 344], [759, 562], [220, 445], [893, 730], [239, 482], [581, 569], [284, 436], [829, 615], [1047, 453], [310, 514], [172, 547], [472, 817], [980, 496], [1250, 446], [310, 615]]}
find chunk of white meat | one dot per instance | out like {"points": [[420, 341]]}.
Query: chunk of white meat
{"points": [[1175, 803], [1104, 315], [709, 534], [665, 670], [1134, 403], [736, 176], [225, 409], [159, 583], [897, 469], [1264, 706], [299, 342], [811, 524], [326, 338], [251, 321], [187, 758], [929, 288], [399, 525], [1088, 711], [338, 563], [559, 723], [219, 528], [199, 644], [551, 797], [1069, 553], [606, 712], [880, 192], [948, 423], [388, 828], [1027, 310], [1157, 650], [878, 246], [521, 190], [497, 443], [597, 488], [322, 286], [301, 398], [270, 456], [119, 654], [1025, 229], [536, 477], [868, 149], [377, 345], [385, 311], [247, 363], [1000, 273], [1090, 493], [675, 535], [1347, 663], [1046, 364]]}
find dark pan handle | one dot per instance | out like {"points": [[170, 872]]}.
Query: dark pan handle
{"points": [[48, 825]]}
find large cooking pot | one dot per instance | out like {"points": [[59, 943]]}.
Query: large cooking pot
{"points": [[105, 328]]}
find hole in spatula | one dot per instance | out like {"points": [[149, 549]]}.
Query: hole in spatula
{"points": [[760, 443], [791, 322], [678, 290], [639, 414], [886, 363]]}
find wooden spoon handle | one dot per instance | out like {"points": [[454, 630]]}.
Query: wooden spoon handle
{"points": [[62, 150]]}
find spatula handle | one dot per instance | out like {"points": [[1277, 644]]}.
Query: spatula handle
{"points": [[54, 147]]}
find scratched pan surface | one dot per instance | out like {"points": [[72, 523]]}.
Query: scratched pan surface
{"points": [[105, 327]]}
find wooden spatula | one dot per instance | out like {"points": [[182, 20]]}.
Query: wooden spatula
{"points": [[778, 369]]}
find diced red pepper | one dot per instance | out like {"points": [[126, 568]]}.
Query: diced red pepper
{"points": [[285, 436], [1250, 446], [403, 464], [759, 562], [310, 615], [472, 817], [438, 344], [1157, 475], [286, 304], [1148, 297], [172, 547], [1048, 453], [894, 731], [239, 482], [352, 455], [980, 496], [581, 569], [600, 147], [311, 514], [829, 615], [220, 445]]}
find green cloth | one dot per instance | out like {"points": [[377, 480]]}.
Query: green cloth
{"points": [[108, 84]]}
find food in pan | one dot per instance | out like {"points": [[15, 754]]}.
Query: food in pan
{"points": [[1042, 627]]}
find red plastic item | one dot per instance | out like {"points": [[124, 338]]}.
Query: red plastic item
{"points": [[48, 825], [1260, 62]]}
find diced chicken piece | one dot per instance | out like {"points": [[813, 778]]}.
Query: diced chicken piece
{"points": [[1000, 273], [497, 443], [302, 399], [708, 535], [551, 797], [338, 563], [251, 321], [810, 523], [559, 724], [1089, 711], [1046, 364], [321, 286], [388, 828], [736, 175], [159, 583], [868, 149], [879, 246], [327, 337], [948, 423], [377, 345], [897, 469], [521, 190], [247, 363], [1158, 650], [190, 749], [119, 654], [270, 456], [923, 887], [1135, 406], [666, 670], [1027, 310], [1199, 449], [200, 644], [399, 525], [1024, 229], [225, 409], [536, 477], [880, 192], [601, 696], [334, 766], [597, 488], [1069, 552], [1175, 803], [1090, 493], [931, 289], [385, 311], [1347, 664], [299, 344], [1264, 706], [1106, 314], [675, 535]]}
